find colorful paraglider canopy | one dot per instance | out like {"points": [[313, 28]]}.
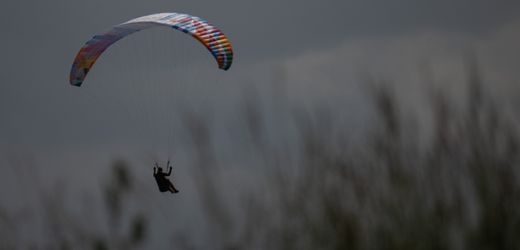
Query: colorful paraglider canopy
{"points": [[210, 36]]}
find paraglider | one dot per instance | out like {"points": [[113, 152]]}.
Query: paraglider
{"points": [[162, 182], [210, 36]]}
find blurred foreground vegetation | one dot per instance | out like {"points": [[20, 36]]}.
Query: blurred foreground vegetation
{"points": [[452, 184]]}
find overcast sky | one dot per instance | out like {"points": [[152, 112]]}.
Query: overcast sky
{"points": [[327, 38], [318, 48]]}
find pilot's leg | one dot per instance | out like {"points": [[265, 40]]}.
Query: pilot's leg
{"points": [[171, 188]]}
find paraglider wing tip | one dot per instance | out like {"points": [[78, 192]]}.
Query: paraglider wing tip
{"points": [[225, 68], [76, 83]]}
